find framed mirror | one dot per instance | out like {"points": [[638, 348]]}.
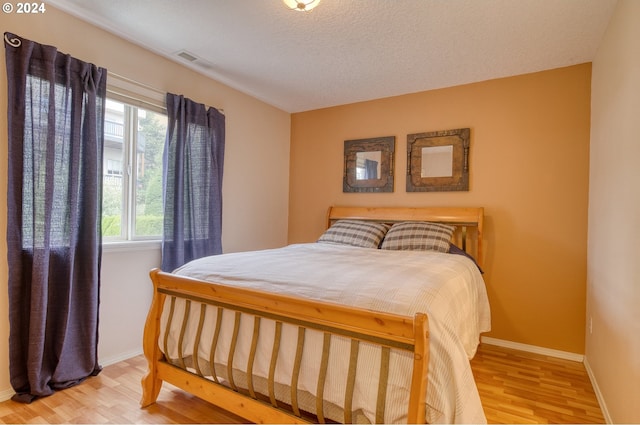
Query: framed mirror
{"points": [[438, 161], [368, 165]]}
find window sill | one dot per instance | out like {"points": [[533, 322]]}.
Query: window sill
{"points": [[123, 246]]}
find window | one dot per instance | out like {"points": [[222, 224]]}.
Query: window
{"points": [[114, 167], [132, 172]]}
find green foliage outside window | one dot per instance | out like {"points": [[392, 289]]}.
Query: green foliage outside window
{"points": [[148, 188]]}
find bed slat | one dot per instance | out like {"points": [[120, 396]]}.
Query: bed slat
{"points": [[183, 329], [351, 380], [196, 343], [252, 355], [214, 345], [296, 371], [322, 374], [232, 351], [385, 357], [172, 309], [274, 360]]}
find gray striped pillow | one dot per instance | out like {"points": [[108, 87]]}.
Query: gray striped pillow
{"points": [[364, 234], [418, 236]]}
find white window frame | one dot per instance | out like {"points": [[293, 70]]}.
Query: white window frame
{"points": [[132, 94]]}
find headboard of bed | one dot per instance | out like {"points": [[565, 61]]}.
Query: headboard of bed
{"points": [[468, 221]]}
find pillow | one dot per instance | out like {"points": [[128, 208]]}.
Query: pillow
{"points": [[364, 234], [453, 249], [418, 236]]}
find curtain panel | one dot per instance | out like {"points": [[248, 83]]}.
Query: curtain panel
{"points": [[192, 183], [370, 169], [54, 201]]}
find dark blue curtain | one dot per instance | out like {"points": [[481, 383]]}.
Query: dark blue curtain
{"points": [[193, 165], [370, 169], [54, 202]]}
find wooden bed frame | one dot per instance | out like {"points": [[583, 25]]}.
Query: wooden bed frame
{"points": [[383, 329]]}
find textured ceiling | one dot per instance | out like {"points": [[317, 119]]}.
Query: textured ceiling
{"points": [[346, 51]]}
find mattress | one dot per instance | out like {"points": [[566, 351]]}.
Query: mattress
{"points": [[448, 288]]}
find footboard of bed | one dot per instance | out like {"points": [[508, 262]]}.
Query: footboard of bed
{"points": [[387, 331]]}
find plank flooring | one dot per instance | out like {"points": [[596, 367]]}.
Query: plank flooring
{"points": [[519, 387], [515, 387]]}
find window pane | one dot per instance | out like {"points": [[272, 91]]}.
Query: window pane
{"points": [[152, 129], [113, 183]]}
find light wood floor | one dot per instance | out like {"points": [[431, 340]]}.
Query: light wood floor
{"points": [[519, 387], [515, 387]]}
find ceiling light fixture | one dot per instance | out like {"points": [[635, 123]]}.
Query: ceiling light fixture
{"points": [[301, 5]]}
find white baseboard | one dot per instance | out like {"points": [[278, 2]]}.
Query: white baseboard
{"points": [[6, 394], [533, 349], [120, 357], [596, 389]]}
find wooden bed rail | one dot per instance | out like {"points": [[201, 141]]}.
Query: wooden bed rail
{"points": [[385, 330]]}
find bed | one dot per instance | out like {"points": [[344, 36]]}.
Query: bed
{"points": [[371, 323]]}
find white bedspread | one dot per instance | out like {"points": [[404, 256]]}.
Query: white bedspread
{"points": [[449, 288]]}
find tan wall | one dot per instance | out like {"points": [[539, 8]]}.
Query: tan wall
{"points": [[529, 165], [613, 295], [255, 183]]}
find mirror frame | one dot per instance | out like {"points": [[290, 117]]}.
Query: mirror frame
{"points": [[459, 181], [386, 145]]}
